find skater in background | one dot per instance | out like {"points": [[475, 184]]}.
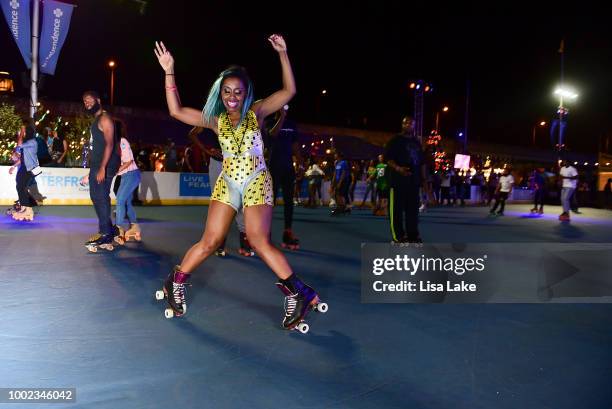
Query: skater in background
{"points": [[314, 174], [504, 188], [130, 179], [340, 184], [283, 150], [245, 182], [355, 175], [104, 160], [382, 187], [492, 187], [407, 175], [539, 186], [569, 180], [58, 149], [27, 148], [370, 185], [36, 198]]}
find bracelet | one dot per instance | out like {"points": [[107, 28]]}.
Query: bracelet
{"points": [[172, 88], [169, 74]]}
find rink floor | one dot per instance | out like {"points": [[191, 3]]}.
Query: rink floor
{"points": [[90, 321]]}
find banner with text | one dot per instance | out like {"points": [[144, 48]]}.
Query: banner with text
{"points": [[194, 184], [56, 22], [17, 14]]}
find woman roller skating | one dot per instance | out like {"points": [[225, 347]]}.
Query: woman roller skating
{"points": [[245, 181]]}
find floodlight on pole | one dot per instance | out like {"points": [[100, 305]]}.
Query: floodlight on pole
{"points": [[567, 93]]}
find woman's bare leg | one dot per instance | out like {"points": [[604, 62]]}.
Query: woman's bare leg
{"points": [[220, 216], [257, 220]]}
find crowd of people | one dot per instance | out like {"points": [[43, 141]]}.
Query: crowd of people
{"points": [[301, 179]]}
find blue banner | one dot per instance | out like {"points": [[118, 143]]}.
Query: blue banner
{"points": [[17, 14], [194, 184], [56, 21]]}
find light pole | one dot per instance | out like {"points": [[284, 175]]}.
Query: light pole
{"points": [[420, 88], [444, 109], [533, 131], [112, 66], [568, 95], [319, 102]]}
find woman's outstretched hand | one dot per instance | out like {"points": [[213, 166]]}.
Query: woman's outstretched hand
{"points": [[278, 42], [164, 57]]}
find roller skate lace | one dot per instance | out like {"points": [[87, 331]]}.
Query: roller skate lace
{"points": [[178, 291], [290, 305]]}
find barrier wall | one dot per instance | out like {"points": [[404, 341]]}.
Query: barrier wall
{"points": [[63, 186]]}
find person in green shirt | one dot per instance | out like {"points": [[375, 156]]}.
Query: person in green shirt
{"points": [[382, 187]]}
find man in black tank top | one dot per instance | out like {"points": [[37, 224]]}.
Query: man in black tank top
{"points": [[104, 161]]}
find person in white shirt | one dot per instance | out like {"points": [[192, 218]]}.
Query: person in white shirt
{"points": [[504, 188], [130, 180], [314, 174], [569, 177]]}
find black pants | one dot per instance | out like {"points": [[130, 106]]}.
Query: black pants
{"points": [[285, 179], [539, 198], [500, 199], [445, 195], [100, 196], [404, 211], [23, 179]]}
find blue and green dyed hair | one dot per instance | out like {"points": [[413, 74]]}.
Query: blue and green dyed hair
{"points": [[214, 106]]}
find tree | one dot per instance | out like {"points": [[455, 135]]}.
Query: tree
{"points": [[10, 123], [77, 135]]}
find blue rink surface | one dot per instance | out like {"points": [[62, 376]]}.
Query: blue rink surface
{"points": [[91, 322]]}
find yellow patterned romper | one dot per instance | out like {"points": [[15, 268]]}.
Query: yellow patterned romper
{"points": [[245, 180]]}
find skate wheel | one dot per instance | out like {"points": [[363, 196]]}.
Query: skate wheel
{"points": [[322, 307], [119, 241], [159, 295], [303, 327], [169, 313], [92, 249]]}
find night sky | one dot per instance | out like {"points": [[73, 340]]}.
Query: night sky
{"points": [[364, 56]]}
